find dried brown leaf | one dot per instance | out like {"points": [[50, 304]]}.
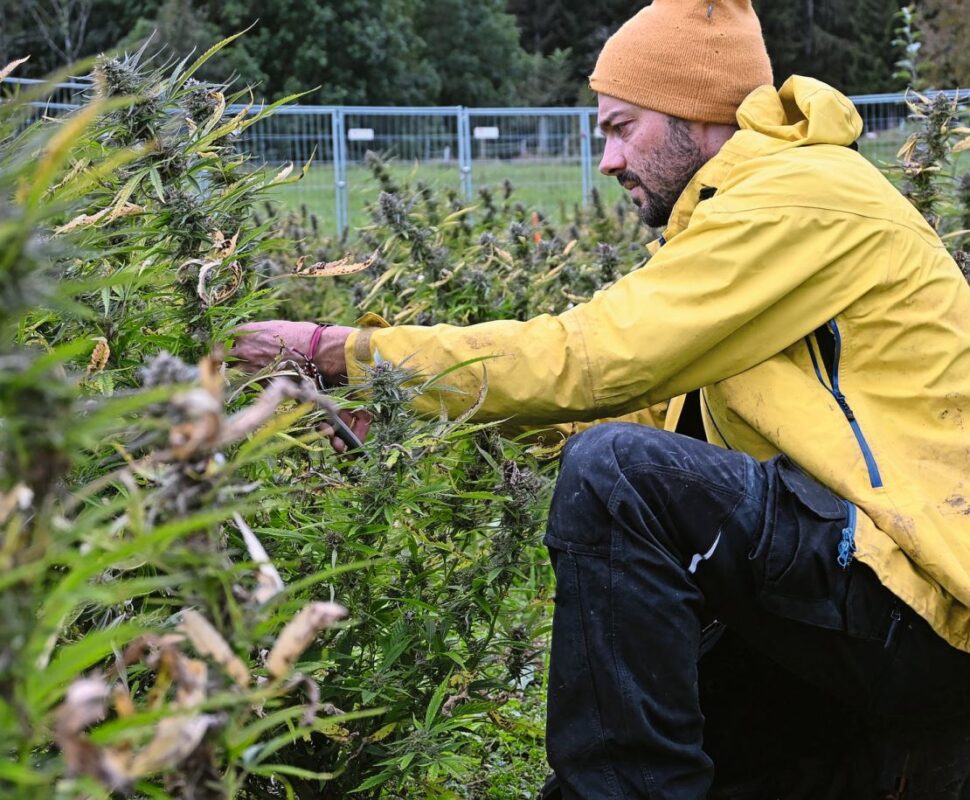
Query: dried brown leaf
{"points": [[224, 247], [207, 641], [175, 740], [298, 633], [84, 704], [222, 292], [99, 356], [342, 266]]}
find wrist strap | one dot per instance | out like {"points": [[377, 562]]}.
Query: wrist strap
{"points": [[311, 354]]}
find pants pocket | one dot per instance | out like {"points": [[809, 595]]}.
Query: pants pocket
{"points": [[796, 558]]}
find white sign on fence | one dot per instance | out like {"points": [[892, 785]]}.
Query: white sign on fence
{"points": [[361, 134], [485, 132]]}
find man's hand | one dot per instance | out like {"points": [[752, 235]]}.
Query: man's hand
{"points": [[358, 421], [260, 343]]}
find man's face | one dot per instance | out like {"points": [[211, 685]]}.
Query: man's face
{"points": [[652, 155]]}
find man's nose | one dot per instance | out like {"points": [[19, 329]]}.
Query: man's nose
{"points": [[612, 162]]}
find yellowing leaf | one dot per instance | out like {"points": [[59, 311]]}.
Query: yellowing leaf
{"points": [[57, 151], [106, 215], [372, 320], [216, 116], [382, 733], [283, 174], [906, 151], [11, 67]]}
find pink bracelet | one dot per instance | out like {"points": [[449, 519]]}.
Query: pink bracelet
{"points": [[315, 341]]}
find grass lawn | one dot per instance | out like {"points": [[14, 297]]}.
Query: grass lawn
{"points": [[554, 187]]}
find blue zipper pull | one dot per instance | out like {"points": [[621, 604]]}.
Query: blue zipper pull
{"points": [[847, 544]]}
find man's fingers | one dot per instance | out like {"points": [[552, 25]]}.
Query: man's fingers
{"points": [[360, 424], [328, 432]]}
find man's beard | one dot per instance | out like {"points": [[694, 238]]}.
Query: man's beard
{"points": [[664, 178]]}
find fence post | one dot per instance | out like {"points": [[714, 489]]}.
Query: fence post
{"points": [[465, 152], [339, 170], [585, 154]]}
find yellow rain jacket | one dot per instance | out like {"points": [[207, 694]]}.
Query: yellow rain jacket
{"points": [[817, 311]]}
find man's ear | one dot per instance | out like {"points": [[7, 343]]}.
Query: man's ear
{"points": [[712, 136]]}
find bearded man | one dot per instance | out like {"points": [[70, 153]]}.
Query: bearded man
{"points": [[826, 332]]}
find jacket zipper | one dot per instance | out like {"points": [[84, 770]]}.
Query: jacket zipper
{"points": [[875, 479]]}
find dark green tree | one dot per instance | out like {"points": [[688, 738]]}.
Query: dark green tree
{"points": [[846, 43], [473, 47], [574, 26], [354, 51], [945, 28]]}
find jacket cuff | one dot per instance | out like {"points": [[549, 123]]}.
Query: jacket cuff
{"points": [[358, 353]]}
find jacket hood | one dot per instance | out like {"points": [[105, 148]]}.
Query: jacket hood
{"points": [[803, 111]]}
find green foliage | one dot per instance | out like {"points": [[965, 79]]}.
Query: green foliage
{"points": [[146, 641], [124, 605]]}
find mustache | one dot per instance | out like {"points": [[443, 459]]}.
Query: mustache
{"points": [[629, 177]]}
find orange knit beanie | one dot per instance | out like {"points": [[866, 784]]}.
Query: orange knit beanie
{"points": [[693, 59]]}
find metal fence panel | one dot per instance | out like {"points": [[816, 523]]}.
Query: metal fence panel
{"points": [[538, 152], [548, 155], [422, 144]]}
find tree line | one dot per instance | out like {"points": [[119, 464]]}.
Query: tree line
{"points": [[458, 52]]}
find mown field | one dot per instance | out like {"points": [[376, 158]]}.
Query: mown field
{"points": [[552, 187]]}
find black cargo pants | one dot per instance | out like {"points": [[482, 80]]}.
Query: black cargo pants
{"points": [[653, 534]]}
